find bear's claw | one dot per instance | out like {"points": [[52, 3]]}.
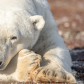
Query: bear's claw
{"points": [[42, 75]]}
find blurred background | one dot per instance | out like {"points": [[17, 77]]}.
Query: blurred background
{"points": [[69, 16]]}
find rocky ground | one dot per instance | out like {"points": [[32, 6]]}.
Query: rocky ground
{"points": [[69, 16], [77, 56]]}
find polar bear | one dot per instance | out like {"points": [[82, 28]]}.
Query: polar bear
{"points": [[31, 49]]}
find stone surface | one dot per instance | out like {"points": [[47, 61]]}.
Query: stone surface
{"points": [[77, 56]]}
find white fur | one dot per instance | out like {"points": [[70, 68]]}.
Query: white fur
{"points": [[17, 18]]}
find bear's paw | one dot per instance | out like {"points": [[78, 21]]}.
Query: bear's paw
{"points": [[42, 75], [28, 61]]}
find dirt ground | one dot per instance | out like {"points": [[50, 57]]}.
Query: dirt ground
{"points": [[69, 16]]}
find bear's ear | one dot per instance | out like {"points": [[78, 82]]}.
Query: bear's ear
{"points": [[38, 22]]}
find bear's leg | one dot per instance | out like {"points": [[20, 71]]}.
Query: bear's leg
{"points": [[28, 61], [52, 75], [56, 58], [29, 70], [59, 75]]}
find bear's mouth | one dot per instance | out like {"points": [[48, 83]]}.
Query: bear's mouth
{"points": [[1, 63], [2, 66]]}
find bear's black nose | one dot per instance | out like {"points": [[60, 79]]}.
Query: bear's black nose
{"points": [[0, 63]]}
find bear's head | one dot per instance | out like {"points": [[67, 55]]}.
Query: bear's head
{"points": [[18, 30]]}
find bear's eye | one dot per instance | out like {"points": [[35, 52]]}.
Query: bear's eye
{"points": [[13, 38]]}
